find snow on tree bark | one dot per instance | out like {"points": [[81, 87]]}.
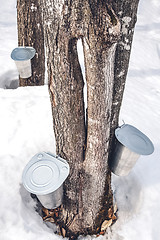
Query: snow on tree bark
{"points": [[30, 33], [126, 11], [88, 197]]}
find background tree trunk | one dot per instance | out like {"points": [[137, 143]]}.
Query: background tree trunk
{"points": [[30, 33], [88, 197]]}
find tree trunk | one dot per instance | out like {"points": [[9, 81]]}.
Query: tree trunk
{"points": [[126, 11], [88, 199], [30, 33]]}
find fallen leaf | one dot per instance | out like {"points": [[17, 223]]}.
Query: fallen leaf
{"points": [[110, 213], [115, 208], [114, 217], [49, 219], [45, 210], [56, 214], [106, 224], [50, 213], [63, 232]]}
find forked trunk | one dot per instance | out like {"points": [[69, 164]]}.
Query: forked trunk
{"points": [[84, 143]]}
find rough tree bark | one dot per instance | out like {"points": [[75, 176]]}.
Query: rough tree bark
{"points": [[30, 33], [126, 11], [106, 30]]}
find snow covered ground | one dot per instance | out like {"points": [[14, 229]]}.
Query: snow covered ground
{"points": [[26, 128]]}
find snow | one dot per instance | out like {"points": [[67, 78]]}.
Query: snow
{"points": [[125, 24], [8, 41], [33, 7], [26, 128]]}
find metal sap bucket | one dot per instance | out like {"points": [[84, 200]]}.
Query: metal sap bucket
{"points": [[44, 176], [22, 57], [131, 143], [52, 200]]}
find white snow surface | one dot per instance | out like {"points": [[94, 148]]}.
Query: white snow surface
{"points": [[26, 128]]}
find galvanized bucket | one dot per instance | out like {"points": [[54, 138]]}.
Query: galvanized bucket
{"points": [[44, 176], [131, 143], [52, 200], [22, 57]]}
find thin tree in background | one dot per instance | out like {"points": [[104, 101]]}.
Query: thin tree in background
{"points": [[86, 142], [30, 33]]}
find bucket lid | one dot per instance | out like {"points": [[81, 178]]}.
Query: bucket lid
{"points": [[134, 139], [23, 53], [44, 173]]}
